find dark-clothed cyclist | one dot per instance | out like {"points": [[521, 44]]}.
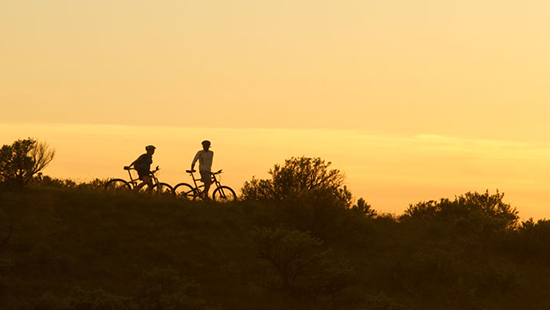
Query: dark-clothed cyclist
{"points": [[143, 167]]}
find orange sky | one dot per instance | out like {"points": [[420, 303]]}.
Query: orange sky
{"points": [[390, 171], [407, 71]]}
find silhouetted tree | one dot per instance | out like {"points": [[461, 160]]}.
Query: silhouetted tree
{"points": [[364, 208], [297, 178], [23, 159], [531, 239]]}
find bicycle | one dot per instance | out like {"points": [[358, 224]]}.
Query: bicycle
{"points": [[222, 193], [120, 184]]}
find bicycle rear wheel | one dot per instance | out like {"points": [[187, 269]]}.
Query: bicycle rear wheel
{"points": [[185, 190], [224, 194], [163, 188], [117, 184]]}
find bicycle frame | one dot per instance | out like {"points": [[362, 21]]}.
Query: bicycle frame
{"points": [[156, 185], [200, 188], [221, 193], [135, 181]]}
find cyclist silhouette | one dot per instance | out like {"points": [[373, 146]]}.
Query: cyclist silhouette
{"points": [[205, 158], [143, 167]]}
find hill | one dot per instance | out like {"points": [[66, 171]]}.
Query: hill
{"points": [[71, 248]]}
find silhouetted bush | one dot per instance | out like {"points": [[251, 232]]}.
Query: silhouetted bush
{"points": [[44, 181], [23, 159], [303, 266], [312, 197], [451, 277], [531, 240], [362, 208], [325, 216], [166, 289], [297, 178], [471, 218], [463, 206]]}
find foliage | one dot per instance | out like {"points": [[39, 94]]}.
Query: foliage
{"points": [[450, 276], [290, 251], [312, 196], [299, 177], [325, 216], [363, 208], [471, 214], [531, 240], [71, 236], [166, 289], [44, 181], [23, 159], [302, 265]]}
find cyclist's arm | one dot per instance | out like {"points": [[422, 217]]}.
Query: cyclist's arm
{"points": [[195, 160], [130, 165], [133, 163]]}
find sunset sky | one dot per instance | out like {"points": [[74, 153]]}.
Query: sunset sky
{"points": [[412, 100]]}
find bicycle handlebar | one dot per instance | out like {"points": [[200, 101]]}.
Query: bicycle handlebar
{"points": [[131, 168], [193, 171]]}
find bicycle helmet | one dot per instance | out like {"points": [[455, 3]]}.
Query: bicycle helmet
{"points": [[150, 147]]}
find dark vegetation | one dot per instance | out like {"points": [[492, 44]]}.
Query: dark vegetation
{"points": [[295, 241], [22, 160]]}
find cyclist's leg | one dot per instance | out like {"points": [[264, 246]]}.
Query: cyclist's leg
{"points": [[206, 178], [145, 177], [149, 181]]}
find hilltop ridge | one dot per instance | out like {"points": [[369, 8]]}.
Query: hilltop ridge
{"points": [[71, 247]]}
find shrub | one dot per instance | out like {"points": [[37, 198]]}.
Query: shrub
{"points": [[531, 239], [302, 265], [470, 218], [23, 159], [44, 181], [166, 289], [363, 209], [452, 278], [299, 177], [466, 205]]}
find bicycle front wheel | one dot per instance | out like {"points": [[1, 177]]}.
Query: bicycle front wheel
{"points": [[117, 184], [185, 190], [163, 188], [224, 194]]}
